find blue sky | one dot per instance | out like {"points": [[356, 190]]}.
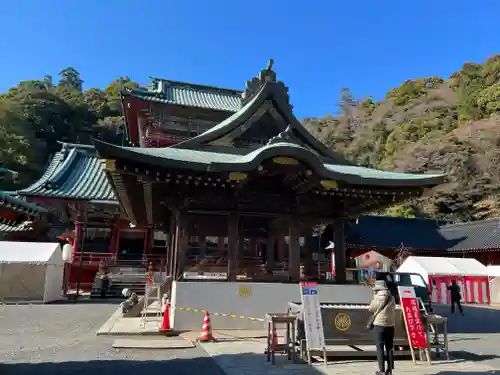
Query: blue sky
{"points": [[319, 46]]}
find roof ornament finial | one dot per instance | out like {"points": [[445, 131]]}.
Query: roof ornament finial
{"points": [[270, 64], [267, 75], [253, 86], [285, 136]]}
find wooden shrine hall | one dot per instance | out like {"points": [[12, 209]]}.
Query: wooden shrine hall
{"points": [[259, 174]]}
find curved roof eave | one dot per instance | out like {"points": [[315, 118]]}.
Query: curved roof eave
{"points": [[229, 124], [20, 205], [216, 162], [269, 89], [64, 178]]}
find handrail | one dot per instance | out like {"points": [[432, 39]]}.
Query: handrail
{"points": [[93, 257]]}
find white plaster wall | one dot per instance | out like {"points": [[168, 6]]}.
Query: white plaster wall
{"points": [[247, 299]]}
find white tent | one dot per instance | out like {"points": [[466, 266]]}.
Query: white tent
{"points": [[494, 280], [437, 266], [469, 274], [31, 271], [493, 271]]}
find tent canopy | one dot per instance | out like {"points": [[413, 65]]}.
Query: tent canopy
{"points": [[30, 252], [437, 266], [493, 271], [31, 271]]}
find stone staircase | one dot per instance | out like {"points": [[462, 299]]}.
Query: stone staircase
{"points": [[133, 277]]}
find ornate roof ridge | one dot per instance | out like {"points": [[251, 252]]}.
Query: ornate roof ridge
{"points": [[76, 146], [254, 85], [197, 85], [284, 136]]}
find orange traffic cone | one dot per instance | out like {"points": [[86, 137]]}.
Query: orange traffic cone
{"points": [[273, 339], [275, 336], [165, 324], [206, 330]]}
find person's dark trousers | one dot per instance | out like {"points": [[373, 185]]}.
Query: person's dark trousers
{"points": [[384, 341], [459, 305], [103, 293]]}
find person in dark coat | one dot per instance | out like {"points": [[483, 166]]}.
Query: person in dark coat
{"points": [[105, 283], [455, 297]]}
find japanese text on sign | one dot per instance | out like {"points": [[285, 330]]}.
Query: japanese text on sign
{"points": [[413, 319], [313, 321]]}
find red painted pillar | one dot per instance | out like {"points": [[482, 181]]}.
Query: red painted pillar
{"points": [[73, 269], [76, 239], [112, 241], [220, 245]]}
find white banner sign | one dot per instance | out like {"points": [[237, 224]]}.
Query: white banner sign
{"points": [[205, 276], [313, 321]]}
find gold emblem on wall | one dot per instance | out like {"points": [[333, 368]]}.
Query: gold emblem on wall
{"points": [[342, 321], [283, 160], [245, 291]]}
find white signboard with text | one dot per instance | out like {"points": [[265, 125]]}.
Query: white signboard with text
{"points": [[313, 321], [205, 275]]}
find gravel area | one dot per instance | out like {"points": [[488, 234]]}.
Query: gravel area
{"points": [[50, 339]]}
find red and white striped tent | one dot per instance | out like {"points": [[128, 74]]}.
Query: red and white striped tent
{"points": [[469, 274]]}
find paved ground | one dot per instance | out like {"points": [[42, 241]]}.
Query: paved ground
{"points": [[484, 348], [475, 336], [49, 339], [61, 339], [250, 360]]}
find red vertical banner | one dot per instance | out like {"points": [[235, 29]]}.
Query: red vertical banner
{"points": [[413, 319], [331, 247]]}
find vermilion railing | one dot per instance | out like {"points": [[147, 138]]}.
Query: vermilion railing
{"points": [[93, 258]]}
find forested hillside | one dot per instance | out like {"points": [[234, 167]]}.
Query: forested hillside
{"points": [[447, 124], [426, 124], [37, 114]]}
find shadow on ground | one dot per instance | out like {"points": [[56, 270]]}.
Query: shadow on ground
{"points": [[178, 366], [474, 357], [474, 320], [232, 364], [123, 367]]}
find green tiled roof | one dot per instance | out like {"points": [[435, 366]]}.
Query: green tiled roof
{"points": [[75, 172], [19, 204], [270, 92], [294, 141], [14, 228], [190, 95], [214, 161]]}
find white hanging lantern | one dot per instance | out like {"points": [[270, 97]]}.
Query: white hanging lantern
{"points": [[67, 253]]}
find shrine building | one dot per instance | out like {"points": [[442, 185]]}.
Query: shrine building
{"points": [[256, 176]]}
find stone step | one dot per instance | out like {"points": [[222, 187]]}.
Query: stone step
{"points": [[116, 293], [127, 270], [128, 277], [129, 282]]}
